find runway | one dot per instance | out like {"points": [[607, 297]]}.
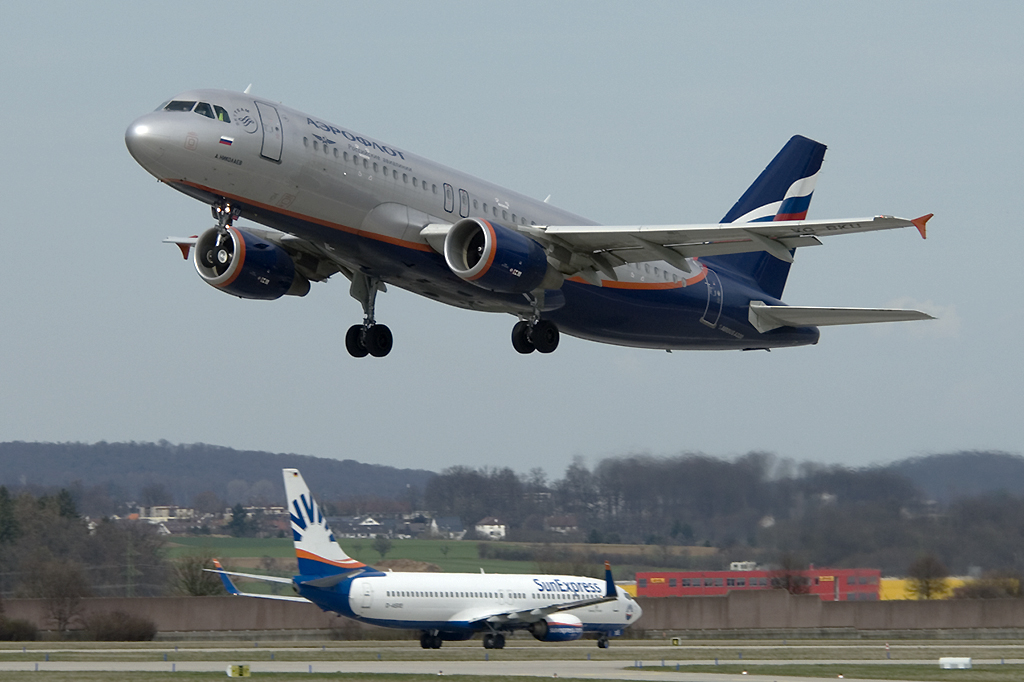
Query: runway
{"points": [[552, 669]]}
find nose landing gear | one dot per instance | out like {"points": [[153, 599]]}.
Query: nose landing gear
{"points": [[368, 338]]}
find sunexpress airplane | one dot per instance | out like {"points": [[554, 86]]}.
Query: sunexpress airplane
{"points": [[443, 606], [339, 201]]}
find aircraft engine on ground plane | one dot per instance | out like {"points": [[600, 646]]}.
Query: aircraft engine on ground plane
{"points": [[562, 627], [246, 266], [497, 258]]}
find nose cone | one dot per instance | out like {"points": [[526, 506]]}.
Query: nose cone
{"points": [[145, 142]]}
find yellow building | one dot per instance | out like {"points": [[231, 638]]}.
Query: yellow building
{"points": [[898, 588]]}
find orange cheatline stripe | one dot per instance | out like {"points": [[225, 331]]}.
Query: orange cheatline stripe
{"points": [[350, 563], [334, 226]]}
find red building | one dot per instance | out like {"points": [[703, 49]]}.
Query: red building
{"points": [[830, 584]]}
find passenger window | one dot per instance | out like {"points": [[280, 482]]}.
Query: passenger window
{"points": [[494, 210], [375, 167], [335, 152], [222, 114], [204, 109], [180, 106], [415, 182], [305, 142], [434, 188], [504, 215], [316, 146], [513, 217], [405, 178], [366, 163], [475, 205]]}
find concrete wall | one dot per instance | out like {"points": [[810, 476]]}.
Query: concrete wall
{"points": [[773, 610]]}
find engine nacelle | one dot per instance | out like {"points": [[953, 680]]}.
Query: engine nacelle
{"points": [[497, 258], [562, 627], [242, 264]]}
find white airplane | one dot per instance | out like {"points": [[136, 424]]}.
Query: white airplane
{"points": [[339, 201], [443, 606]]}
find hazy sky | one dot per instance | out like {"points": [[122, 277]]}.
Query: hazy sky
{"points": [[625, 113]]}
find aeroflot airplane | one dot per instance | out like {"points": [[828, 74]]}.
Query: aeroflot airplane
{"points": [[339, 201], [443, 606]]}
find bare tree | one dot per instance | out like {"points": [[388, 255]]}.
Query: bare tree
{"points": [[382, 545], [62, 587], [190, 577], [927, 577]]}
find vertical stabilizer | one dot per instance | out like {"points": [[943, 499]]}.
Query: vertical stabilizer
{"points": [[781, 192], [315, 547]]}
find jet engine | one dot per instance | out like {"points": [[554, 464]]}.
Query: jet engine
{"points": [[497, 258], [561, 627], [242, 264]]}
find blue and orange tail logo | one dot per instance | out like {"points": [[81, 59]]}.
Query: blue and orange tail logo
{"points": [[317, 551]]}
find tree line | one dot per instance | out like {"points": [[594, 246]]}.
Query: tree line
{"points": [[756, 507]]}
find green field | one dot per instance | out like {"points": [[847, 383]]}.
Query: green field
{"points": [[461, 557]]}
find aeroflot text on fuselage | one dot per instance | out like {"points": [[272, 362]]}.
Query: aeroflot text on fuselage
{"points": [[326, 127], [360, 210]]}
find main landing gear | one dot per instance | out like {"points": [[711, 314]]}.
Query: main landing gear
{"points": [[430, 640], [368, 338], [494, 640], [540, 336], [602, 642]]}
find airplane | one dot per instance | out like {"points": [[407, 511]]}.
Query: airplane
{"points": [[338, 201], [442, 606]]}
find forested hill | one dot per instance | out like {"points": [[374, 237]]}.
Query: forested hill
{"points": [[963, 474], [104, 474]]}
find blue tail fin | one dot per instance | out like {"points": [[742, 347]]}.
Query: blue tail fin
{"points": [[781, 192]]}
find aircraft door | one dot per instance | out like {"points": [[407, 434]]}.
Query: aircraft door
{"points": [[463, 203], [367, 594], [273, 139], [715, 297], [449, 198]]}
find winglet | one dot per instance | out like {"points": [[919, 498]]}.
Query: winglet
{"points": [[919, 223], [609, 583], [228, 585]]}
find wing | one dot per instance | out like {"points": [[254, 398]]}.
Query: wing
{"points": [[588, 249], [230, 586], [523, 617], [312, 262], [617, 245]]}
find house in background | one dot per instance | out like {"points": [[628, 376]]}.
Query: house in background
{"points": [[490, 528]]}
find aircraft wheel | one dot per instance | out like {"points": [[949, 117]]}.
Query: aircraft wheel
{"points": [[521, 338], [354, 341], [426, 641], [488, 641], [437, 641], [545, 336], [602, 642], [499, 641], [378, 340]]}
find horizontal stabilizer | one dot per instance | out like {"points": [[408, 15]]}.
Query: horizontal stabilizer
{"points": [[765, 318]]}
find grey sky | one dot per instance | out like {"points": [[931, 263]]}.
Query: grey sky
{"points": [[625, 113]]}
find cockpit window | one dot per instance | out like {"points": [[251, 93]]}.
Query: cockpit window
{"points": [[222, 114], [204, 109], [178, 105]]}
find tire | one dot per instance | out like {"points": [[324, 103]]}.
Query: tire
{"points": [[521, 338], [602, 643], [378, 340], [354, 341], [488, 641], [499, 641], [545, 336]]}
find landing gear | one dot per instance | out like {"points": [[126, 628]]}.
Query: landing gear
{"points": [[602, 642], [541, 336], [219, 254], [368, 338], [494, 640], [430, 641]]}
